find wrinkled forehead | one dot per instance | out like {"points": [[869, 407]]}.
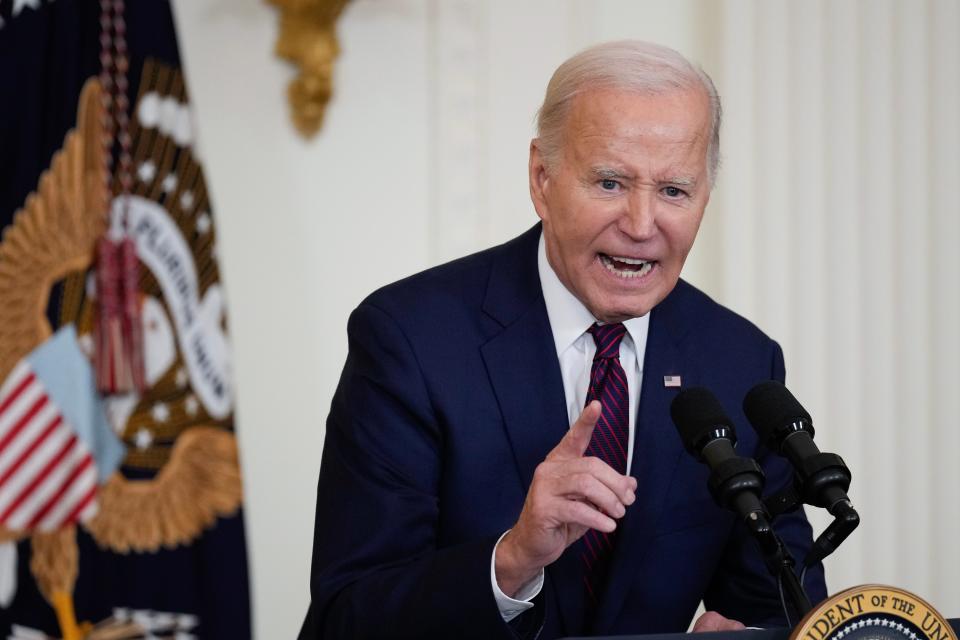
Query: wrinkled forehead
{"points": [[616, 118]]}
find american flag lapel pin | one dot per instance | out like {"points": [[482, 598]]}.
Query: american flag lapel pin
{"points": [[671, 381]]}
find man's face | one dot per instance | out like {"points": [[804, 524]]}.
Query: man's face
{"points": [[622, 203]]}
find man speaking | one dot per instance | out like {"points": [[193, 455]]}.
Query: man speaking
{"points": [[499, 457]]}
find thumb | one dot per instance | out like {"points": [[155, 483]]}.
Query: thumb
{"points": [[576, 440], [713, 621]]}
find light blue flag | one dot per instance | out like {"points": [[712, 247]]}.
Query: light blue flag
{"points": [[68, 378]]}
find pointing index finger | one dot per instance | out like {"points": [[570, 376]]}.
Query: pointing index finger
{"points": [[575, 441]]}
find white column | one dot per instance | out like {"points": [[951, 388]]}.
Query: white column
{"points": [[457, 124]]}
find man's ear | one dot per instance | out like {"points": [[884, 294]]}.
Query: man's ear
{"points": [[539, 179]]}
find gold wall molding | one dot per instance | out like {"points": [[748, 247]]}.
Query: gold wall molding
{"points": [[308, 39]]}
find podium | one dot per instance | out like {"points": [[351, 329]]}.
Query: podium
{"points": [[749, 634]]}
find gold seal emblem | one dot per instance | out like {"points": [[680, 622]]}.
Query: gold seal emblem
{"points": [[874, 612], [181, 471]]}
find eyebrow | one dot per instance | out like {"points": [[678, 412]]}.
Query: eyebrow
{"points": [[606, 173], [681, 181]]}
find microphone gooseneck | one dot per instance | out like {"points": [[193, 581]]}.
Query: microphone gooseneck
{"points": [[821, 479], [736, 483]]}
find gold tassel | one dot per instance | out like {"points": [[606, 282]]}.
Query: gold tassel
{"points": [[119, 333]]}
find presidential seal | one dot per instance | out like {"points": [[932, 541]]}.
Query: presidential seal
{"points": [[174, 469], [874, 612]]}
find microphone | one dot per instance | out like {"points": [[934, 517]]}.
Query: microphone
{"points": [[823, 479], [735, 483]]}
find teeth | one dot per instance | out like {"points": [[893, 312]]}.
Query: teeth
{"points": [[628, 260], [626, 273]]}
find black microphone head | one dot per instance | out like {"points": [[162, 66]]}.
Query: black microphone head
{"points": [[772, 409], [700, 418]]}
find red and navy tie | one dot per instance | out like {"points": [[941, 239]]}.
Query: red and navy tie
{"points": [[608, 384]]}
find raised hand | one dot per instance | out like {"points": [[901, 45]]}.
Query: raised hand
{"points": [[570, 493]]}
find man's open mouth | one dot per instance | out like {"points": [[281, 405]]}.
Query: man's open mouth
{"points": [[626, 267]]}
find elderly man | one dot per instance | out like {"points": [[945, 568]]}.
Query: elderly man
{"points": [[499, 457]]}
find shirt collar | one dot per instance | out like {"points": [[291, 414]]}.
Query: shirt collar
{"points": [[569, 319]]}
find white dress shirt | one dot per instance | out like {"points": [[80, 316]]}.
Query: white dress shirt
{"points": [[569, 321]]}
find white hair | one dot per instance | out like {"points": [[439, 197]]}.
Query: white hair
{"points": [[631, 65]]}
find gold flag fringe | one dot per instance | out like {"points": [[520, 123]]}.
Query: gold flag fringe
{"points": [[53, 234], [199, 483]]}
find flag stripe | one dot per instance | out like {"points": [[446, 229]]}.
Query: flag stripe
{"points": [[87, 512], [86, 501], [60, 514], [61, 489], [35, 444], [48, 476], [10, 457], [14, 378], [32, 466], [22, 420], [50, 483], [20, 387], [38, 478]]}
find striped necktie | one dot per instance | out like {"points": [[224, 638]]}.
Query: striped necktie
{"points": [[608, 384]]}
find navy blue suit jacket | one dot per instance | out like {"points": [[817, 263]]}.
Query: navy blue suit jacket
{"points": [[452, 395]]}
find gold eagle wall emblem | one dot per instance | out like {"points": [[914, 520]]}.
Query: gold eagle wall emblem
{"points": [[181, 471]]}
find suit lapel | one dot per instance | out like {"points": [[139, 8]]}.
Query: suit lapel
{"points": [[522, 365], [521, 361], [656, 451]]}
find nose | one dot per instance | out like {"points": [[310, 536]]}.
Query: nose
{"points": [[639, 220]]}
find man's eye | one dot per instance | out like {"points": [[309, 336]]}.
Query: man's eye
{"points": [[674, 192], [609, 185]]}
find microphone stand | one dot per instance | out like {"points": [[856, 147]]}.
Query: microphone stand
{"points": [[779, 562], [736, 484], [778, 559], [831, 478], [845, 521]]}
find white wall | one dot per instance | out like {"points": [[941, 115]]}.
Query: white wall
{"points": [[834, 225], [839, 227], [305, 231]]}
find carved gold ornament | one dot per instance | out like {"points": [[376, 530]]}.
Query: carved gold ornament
{"points": [[308, 39]]}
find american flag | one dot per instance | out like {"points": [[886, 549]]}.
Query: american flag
{"points": [[48, 477], [671, 381]]}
